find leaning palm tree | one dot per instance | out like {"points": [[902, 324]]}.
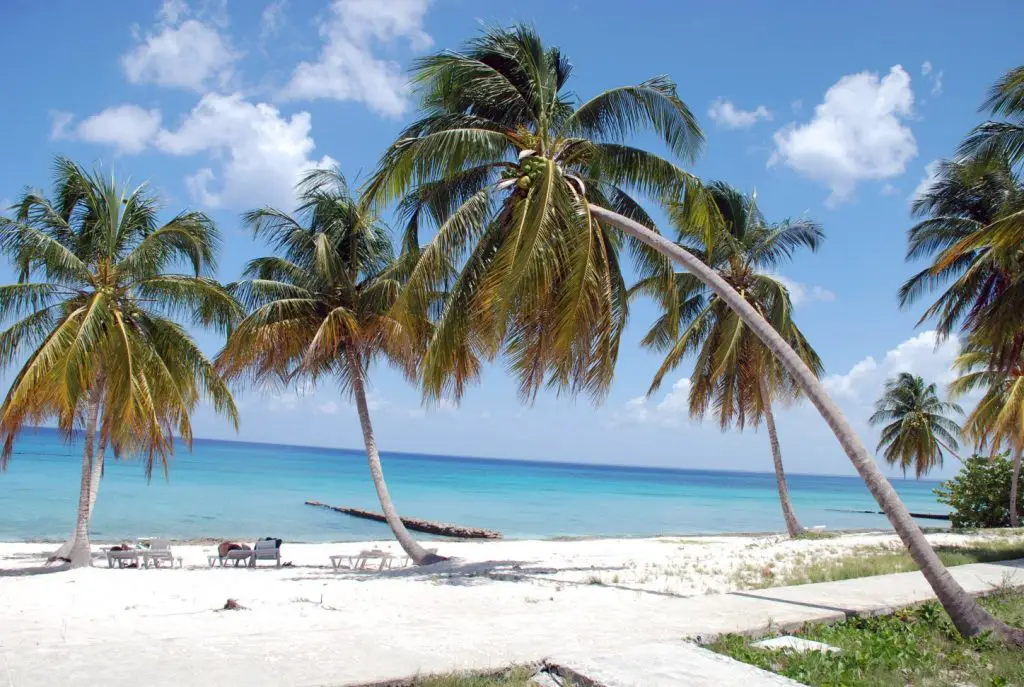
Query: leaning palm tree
{"points": [[94, 321], [323, 307], [918, 425], [528, 192], [998, 419], [733, 371]]}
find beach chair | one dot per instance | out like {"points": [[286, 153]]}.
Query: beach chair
{"points": [[267, 550], [359, 562], [158, 552], [122, 558], [235, 555]]}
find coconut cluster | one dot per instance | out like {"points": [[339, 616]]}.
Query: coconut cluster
{"points": [[530, 171]]}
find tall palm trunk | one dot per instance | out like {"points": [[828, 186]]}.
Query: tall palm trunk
{"points": [[1014, 486], [95, 475], [793, 525], [968, 617], [81, 550], [405, 540]]}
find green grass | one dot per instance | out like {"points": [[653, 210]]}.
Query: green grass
{"points": [[916, 646], [869, 561], [516, 677]]}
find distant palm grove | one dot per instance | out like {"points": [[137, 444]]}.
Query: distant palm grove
{"points": [[524, 235]]}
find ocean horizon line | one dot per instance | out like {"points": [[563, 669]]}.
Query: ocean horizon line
{"points": [[518, 461]]}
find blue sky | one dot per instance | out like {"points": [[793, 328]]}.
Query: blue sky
{"points": [[833, 110]]}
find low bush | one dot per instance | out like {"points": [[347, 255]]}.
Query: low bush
{"points": [[980, 493]]}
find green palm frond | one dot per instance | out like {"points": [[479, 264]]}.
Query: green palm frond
{"points": [[93, 263]]}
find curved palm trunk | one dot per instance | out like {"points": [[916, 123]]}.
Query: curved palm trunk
{"points": [[81, 550], [793, 525], [1014, 486], [968, 617], [405, 540], [95, 475]]}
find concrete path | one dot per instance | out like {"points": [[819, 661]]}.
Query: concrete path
{"points": [[372, 640]]}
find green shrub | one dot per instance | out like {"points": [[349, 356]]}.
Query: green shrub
{"points": [[980, 493]]}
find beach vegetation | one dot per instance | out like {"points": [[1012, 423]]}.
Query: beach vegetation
{"points": [[321, 307], [979, 494], [531, 197], [913, 646], [95, 319], [734, 373]]}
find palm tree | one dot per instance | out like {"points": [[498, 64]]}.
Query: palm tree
{"points": [[998, 419], [526, 190], [962, 215], [1001, 138], [322, 307], [734, 372], [93, 318], [918, 426]]}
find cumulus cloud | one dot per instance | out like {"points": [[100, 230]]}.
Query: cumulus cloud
{"points": [[128, 128], [920, 355], [329, 408], [858, 133], [181, 53], [725, 114], [671, 411], [258, 153], [806, 293], [349, 66], [926, 68]]}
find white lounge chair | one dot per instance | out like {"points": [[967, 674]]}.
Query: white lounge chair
{"points": [[266, 550], [158, 552], [235, 555], [122, 558]]}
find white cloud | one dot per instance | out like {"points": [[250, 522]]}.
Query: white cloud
{"points": [[190, 54], [930, 171], [806, 293], [128, 128], [937, 84], [348, 68], [59, 122], [796, 105], [329, 408], [259, 155], [857, 133], [926, 68], [918, 355], [272, 19], [889, 190], [725, 114], [671, 411]]}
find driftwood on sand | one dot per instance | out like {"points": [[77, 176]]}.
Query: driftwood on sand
{"points": [[442, 528]]}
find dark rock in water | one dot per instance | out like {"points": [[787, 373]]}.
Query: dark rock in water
{"points": [[442, 528]]}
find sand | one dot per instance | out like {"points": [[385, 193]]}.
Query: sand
{"points": [[496, 603]]}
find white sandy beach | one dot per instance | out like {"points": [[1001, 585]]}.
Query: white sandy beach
{"points": [[497, 602]]}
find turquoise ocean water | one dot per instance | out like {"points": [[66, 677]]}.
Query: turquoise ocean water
{"points": [[227, 489]]}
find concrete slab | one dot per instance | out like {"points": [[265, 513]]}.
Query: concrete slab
{"points": [[666, 664], [797, 644]]}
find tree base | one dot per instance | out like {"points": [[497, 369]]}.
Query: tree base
{"points": [[432, 558]]}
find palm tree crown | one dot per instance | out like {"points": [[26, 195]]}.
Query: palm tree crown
{"points": [[998, 419], [962, 213], [734, 372], [918, 426], [330, 290], [504, 164], [93, 312]]}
